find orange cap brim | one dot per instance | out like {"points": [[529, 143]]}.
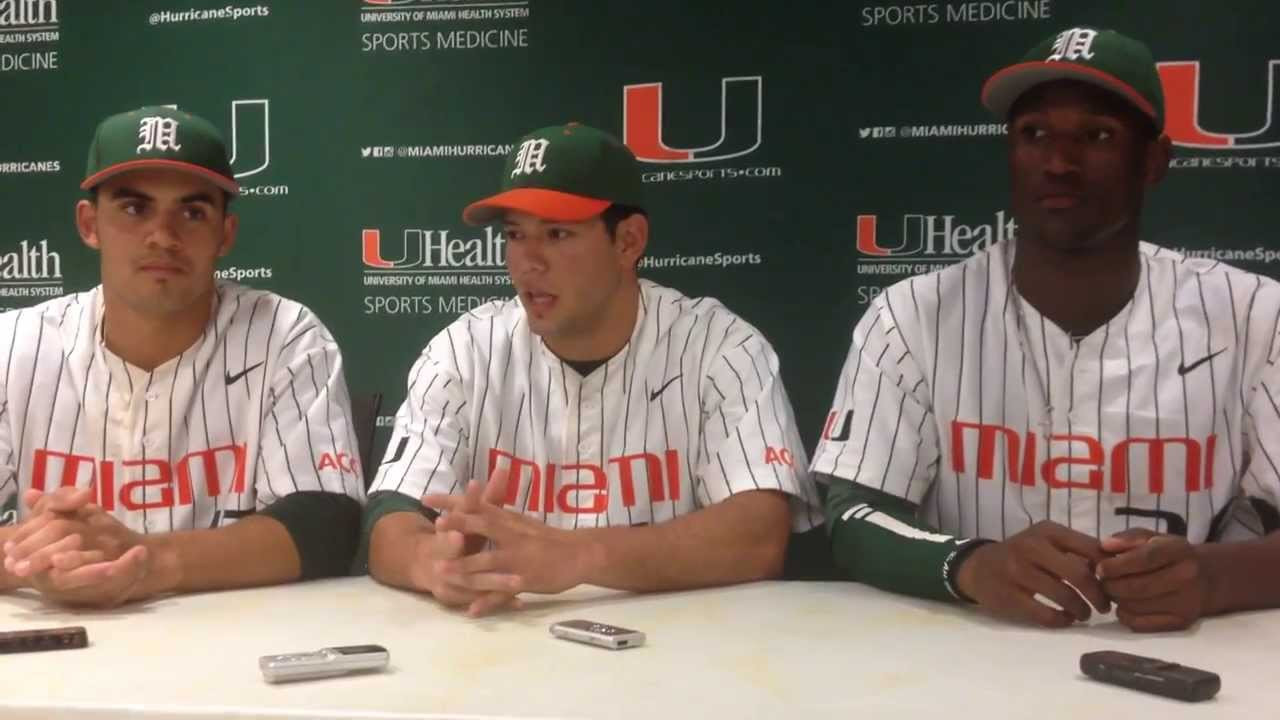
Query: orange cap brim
{"points": [[101, 176], [545, 204], [1005, 86]]}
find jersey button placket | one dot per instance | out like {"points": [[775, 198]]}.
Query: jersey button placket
{"points": [[583, 395], [588, 420], [1080, 371]]}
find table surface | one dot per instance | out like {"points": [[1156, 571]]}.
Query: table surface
{"points": [[772, 649]]}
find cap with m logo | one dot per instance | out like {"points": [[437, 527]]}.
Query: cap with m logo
{"points": [[158, 136], [1104, 58], [565, 173]]}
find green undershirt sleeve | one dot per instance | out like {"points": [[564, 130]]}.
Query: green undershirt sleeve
{"points": [[379, 505], [324, 527], [877, 539]]}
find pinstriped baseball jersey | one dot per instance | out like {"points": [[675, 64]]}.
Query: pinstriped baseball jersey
{"points": [[691, 411], [255, 410], [959, 396]]}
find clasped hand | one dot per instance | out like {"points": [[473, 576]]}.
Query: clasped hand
{"points": [[1156, 581], [74, 552], [482, 555]]}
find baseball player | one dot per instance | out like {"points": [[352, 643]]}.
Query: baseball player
{"points": [[597, 428], [166, 432], [1065, 420]]}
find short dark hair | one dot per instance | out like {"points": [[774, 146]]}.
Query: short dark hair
{"points": [[616, 213], [226, 198]]}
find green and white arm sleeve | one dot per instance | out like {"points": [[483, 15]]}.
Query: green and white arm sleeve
{"points": [[877, 539]]}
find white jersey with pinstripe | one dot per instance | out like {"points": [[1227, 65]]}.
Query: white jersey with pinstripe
{"points": [[958, 396], [255, 410], [691, 411]]}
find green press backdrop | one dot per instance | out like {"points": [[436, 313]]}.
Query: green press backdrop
{"points": [[799, 156]]}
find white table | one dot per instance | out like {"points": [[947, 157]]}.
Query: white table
{"points": [[770, 650]]}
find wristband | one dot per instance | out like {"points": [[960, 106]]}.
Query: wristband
{"points": [[952, 565]]}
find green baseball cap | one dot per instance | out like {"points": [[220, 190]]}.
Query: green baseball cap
{"points": [[158, 136], [1104, 58], [563, 173]]}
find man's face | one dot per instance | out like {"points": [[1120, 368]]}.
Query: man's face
{"points": [[1079, 163], [569, 275], [159, 233]]}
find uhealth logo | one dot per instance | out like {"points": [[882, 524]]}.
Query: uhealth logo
{"points": [[1181, 81], [434, 249], [741, 100], [17, 13], [934, 236]]}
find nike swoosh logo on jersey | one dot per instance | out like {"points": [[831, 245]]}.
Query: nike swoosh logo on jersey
{"points": [[1183, 369], [653, 394], [233, 378]]}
